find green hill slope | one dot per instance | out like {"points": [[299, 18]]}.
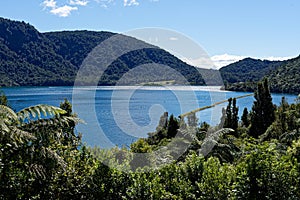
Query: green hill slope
{"points": [[286, 78], [243, 75], [248, 70], [28, 57]]}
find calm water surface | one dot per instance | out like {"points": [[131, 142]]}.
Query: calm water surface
{"points": [[120, 115]]}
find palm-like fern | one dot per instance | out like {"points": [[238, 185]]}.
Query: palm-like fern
{"points": [[33, 131], [39, 111], [216, 144]]}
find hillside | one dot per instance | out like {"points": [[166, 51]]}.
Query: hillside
{"points": [[31, 58], [243, 75], [248, 70], [286, 79], [27, 57]]}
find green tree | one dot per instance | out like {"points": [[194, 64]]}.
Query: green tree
{"points": [[263, 110], [37, 154], [216, 180], [231, 119], [3, 99], [282, 114], [245, 118], [173, 126], [265, 174]]}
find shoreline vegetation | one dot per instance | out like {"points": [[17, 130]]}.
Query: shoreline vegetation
{"points": [[253, 157]]}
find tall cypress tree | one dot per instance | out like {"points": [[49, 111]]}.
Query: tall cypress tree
{"points": [[173, 125], [235, 115], [231, 119], [263, 110], [228, 118], [245, 118], [268, 106]]}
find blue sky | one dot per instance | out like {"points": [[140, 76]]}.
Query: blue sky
{"points": [[226, 29]]}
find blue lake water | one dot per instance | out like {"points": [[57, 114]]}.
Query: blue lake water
{"points": [[120, 115]]}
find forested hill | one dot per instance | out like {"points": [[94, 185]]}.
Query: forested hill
{"points": [[248, 70], [243, 75], [286, 78], [27, 57], [31, 58]]}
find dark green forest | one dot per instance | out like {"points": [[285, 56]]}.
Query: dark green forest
{"points": [[248, 70], [243, 75], [31, 58], [255, 156]]}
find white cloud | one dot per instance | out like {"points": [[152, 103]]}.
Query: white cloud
{"points": [[131, 3], [226, 59], [173, 38], [272, 58], [49, 4], [63, 11], [78, 2], [201, 62], [105, 3]]}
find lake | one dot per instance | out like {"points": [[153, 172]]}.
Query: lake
{"points": [[119, 115]]}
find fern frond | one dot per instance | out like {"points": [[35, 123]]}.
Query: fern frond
{"points": [[288, 137], [212, 140], [6, 112], [58, 122], [216, 135], [38, 111], [49, 153], [3, 126], [19, 137], [37, 170]]}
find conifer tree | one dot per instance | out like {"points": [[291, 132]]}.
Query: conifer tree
{"points": [[263, 110], [228, 114], [231, 119], [235, 115], [173, 125], [245, 119]]}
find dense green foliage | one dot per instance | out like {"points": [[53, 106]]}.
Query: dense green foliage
{"points": [[38, 152], [286, 79], [245, 118], [248, 70], [263, 110], [27, 57], [231, 119], [244, 75], [31, 58]]}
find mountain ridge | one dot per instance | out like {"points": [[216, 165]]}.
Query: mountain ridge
{"points": [[31, 58], [243, 75]]}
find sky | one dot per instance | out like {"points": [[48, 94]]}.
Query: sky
{"points": [[228, 30]]}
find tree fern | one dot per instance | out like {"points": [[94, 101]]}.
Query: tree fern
{"points": [[212, 144], [7, 115], [39, 111]]}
